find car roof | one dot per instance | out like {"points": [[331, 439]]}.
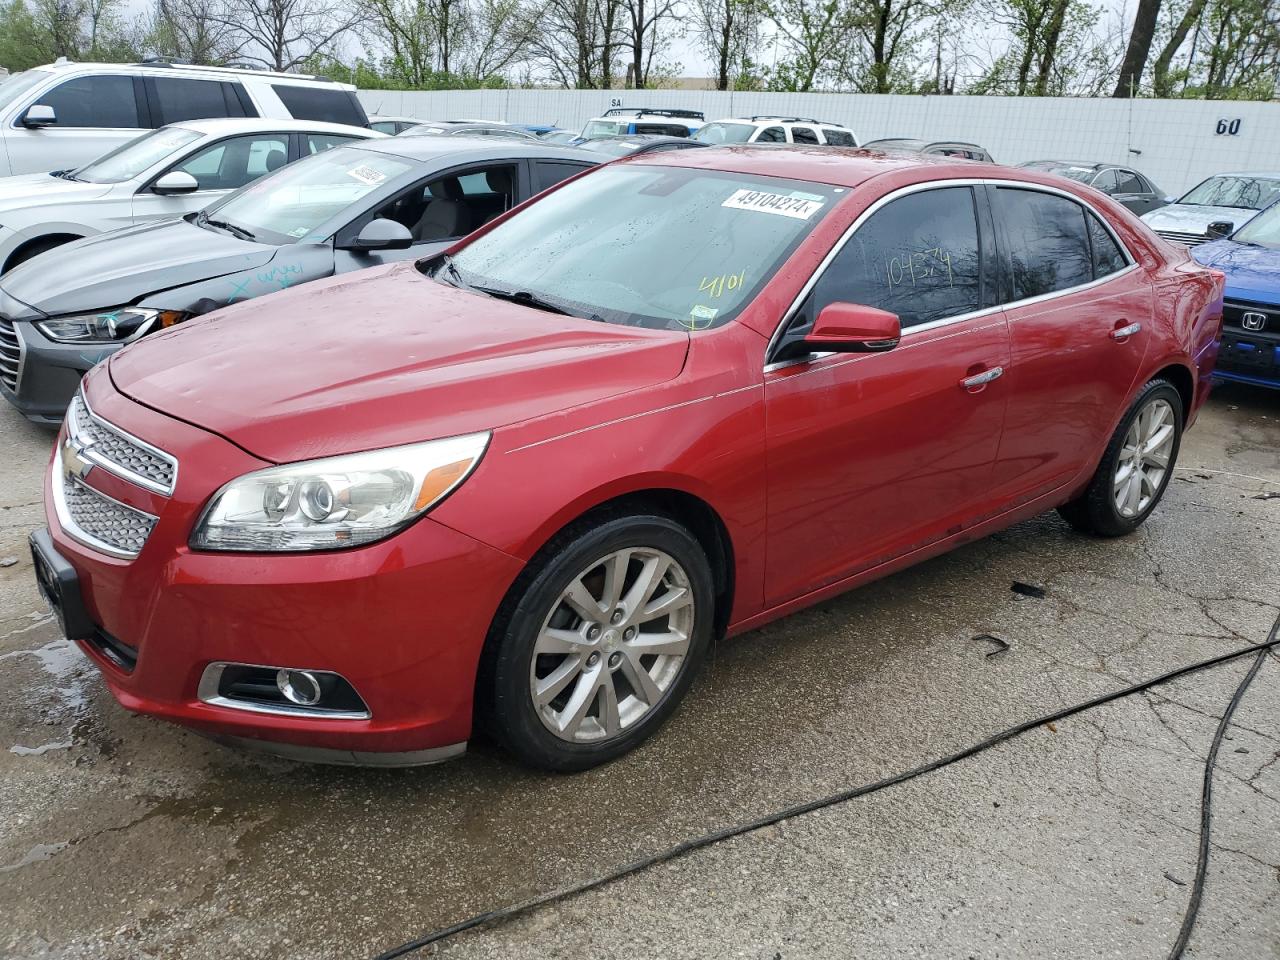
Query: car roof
{"points": [[225, 125], [1086, 164], [63, 65], [462, 149], [1256, 174]]}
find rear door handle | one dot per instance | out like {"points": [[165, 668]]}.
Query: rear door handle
{"points": [[985, 377], [1124, 333]]}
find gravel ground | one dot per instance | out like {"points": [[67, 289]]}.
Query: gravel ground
{"points": [[121, 837]]}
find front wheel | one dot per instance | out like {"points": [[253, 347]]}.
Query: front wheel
{"points": [[601, 645], [1136, 468]]}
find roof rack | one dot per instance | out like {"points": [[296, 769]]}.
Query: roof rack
{"points": [[770, 116], [235, 66], [162, 62], [645, 111]]}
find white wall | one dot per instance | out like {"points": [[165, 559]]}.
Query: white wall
{"points": [[1177, 137]]}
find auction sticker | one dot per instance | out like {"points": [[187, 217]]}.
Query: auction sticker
{"points": [[367, 175], [798, 207]]}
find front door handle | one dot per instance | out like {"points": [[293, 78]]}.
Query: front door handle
{"points": [[1121, 334], [983, 378]]}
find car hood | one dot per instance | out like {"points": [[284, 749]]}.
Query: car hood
{"points": [[383, 357], [1191, 218], [119, 267], [1253, 273], [42, 189]]}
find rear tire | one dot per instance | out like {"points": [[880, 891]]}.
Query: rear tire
{"points": [[566, 683], [1135, 469]]}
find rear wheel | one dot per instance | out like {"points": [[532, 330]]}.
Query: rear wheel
{"points": [[602, 644], [1136, 468]]}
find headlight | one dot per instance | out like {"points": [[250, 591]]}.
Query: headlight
{"points": [[108, 326], [338, 502]]}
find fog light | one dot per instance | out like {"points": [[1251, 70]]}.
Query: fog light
{"points": [[299, 686]]}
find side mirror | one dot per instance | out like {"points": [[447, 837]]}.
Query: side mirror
{"points": [[39, 115], [1219, 229], [175, 182], [1170, 199], [854, 328], [381, 234]]}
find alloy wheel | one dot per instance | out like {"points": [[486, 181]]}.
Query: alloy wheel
{"points": [[1144, 458], [612, 645]]}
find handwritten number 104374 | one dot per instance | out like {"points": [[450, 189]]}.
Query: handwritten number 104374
{"points": [[922, 265]]}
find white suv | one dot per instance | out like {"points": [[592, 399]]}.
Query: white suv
{"points": [[776, 130], [65, 114]]}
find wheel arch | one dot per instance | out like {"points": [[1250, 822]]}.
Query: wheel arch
{"points": [[19, 252], [1183, 380]]}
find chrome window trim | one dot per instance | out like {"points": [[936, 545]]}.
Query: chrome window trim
{"points": [[73, 529], [888, 198], [207, 692], [113, 468]]}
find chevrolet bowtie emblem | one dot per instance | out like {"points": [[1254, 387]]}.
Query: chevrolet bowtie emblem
{"points": [[73, 462]]}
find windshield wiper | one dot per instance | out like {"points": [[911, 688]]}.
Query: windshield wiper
{"points": [[65, 175], [231, 228], [527, 299]]}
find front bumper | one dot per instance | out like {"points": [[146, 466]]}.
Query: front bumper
{"points": [[403, 620], [47, 373], [1249, 357]]}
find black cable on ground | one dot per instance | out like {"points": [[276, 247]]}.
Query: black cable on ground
{"points": [[502, 914]]}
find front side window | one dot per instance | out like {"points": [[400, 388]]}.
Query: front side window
{"points": [[803, 135], [104, 101], [451, 206], [289, 204], [725, 132], [1048, 244], [918, 257], [137, 156], [233, 163], [667, 248], [1247, 193]]}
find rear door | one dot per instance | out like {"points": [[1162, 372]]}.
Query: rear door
{"points": [[1078, 310], [871, 456]]}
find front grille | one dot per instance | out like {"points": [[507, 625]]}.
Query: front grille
{"points": [[1233, 312], [10, 354], [1185, 239], [118, 453], [121, 528]]}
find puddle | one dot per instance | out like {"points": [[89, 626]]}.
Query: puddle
{"points": [[41, 851], [70, 672], [22, 751]]}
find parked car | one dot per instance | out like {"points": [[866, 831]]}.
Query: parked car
{"points": [[562, 137], [1123, 184], [1250, 258], [525, 485], [467, 128], [765, 129], [639, 143], [393, 198], [1214, 208], [163, 174], [64, 115], [941, 148], [628, 121], [391, 125]]}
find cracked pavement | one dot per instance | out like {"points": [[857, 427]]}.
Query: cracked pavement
{"points": [[121, 837]]}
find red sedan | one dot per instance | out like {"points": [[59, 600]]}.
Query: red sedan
{"points": [[523, 485]]}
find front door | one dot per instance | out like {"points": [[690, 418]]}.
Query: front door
{"points": [[1079, 320], [871, 456], [218, 168]]}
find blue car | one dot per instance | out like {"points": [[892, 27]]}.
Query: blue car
{"points": [[1250, 257]]}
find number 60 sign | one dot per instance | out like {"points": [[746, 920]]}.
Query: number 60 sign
{"points": [[1228, 127]]}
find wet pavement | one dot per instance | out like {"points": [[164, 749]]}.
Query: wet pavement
{"points": [[121, 837]]}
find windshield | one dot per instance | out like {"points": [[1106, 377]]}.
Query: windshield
{"points": [[602, 128], [137, 156], [287, 205], [14, 87], [1071, 171], [1264, 229], [719, 132], [669, 248], [1248, 193]]}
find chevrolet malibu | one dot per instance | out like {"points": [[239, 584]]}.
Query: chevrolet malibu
{"points": [[521, 486]]}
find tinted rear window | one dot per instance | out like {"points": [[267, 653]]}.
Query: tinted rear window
{"points": [[838, 138], [305, 102], [179, 98], [1048, 243]]}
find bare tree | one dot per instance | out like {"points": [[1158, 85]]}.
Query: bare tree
{"points": [[1139, 49], [192, 30], [645, 20], [818, 38], [281, 34], [576, 41]]}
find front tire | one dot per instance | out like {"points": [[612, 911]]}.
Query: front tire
{"points": [[599, 642], [1136, 467]]}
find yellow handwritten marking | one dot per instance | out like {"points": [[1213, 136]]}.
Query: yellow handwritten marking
{"points": [[717, 285]]}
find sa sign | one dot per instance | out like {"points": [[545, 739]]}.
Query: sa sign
{"points": [[615, 102], [1228, 127]]}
